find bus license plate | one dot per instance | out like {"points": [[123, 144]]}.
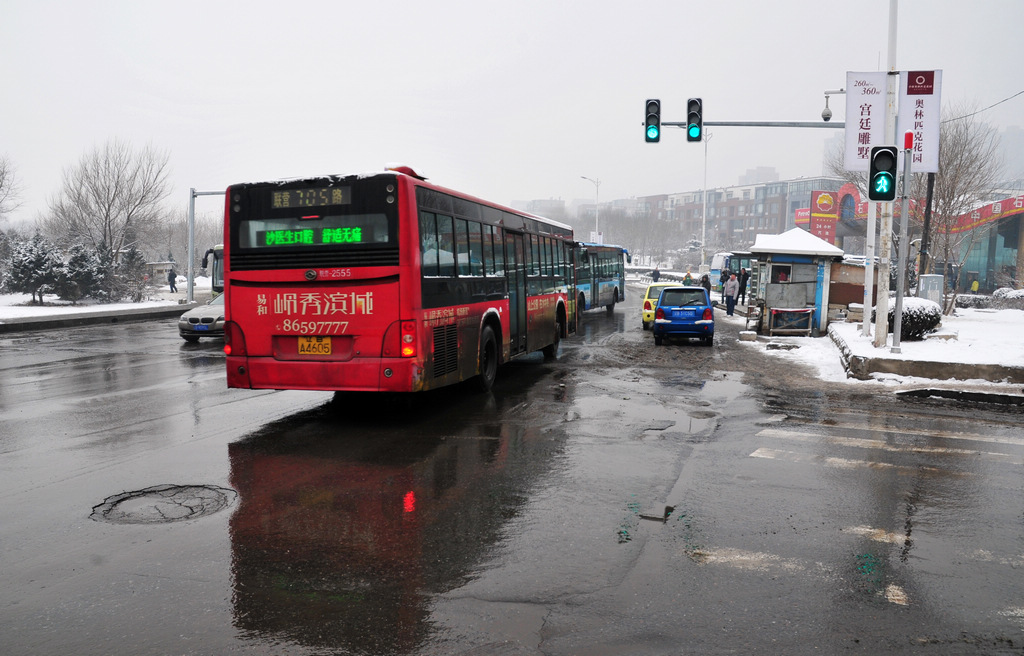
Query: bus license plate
{"points": [[314, 345]]}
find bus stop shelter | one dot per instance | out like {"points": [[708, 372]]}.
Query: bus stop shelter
{"points": [[791, 292]]}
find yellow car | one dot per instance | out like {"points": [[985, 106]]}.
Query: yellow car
{"points": [[651, 301]]}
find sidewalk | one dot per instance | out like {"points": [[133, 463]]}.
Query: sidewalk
{"points": [[18, 316]]}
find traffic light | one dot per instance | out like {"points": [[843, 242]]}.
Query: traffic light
{"points": [[694, 119], [882, 176], [652, 125]]}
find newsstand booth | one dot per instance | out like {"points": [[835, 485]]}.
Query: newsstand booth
{"points": [[791, 290]]}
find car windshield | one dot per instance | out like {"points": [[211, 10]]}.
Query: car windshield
{"points": [[680, 297]]}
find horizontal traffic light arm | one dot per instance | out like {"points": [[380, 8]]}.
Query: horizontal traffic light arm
{"points": [[760, 124]]}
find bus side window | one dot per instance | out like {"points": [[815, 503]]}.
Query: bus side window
{"points": [[534, 255], [462, 246], [428, 243], [445, 246], [488, 237], [499, 251], [476, 249]]}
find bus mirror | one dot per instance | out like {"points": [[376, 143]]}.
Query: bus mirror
{"points": [[629, 258]]}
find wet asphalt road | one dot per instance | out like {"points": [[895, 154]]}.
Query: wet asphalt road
{"points": [[623, 499]]}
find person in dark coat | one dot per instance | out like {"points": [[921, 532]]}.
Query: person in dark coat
{"points": [[705, 282], [172, 276], [655, 275], [744, 277]]}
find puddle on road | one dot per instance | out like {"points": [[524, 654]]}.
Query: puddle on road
{"points": [[161, 504]]}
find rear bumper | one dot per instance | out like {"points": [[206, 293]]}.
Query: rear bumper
{"points": [[377, 375]]}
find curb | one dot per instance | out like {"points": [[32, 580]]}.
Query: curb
{"points": [[862, 368], [93, 318]]}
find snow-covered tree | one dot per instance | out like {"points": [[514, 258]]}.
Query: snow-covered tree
{"points": [[78, 276], [33, 268], [10, 191]]}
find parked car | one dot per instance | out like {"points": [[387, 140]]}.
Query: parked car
{"points": [[650, 300], [684, 312], [203, 321]]}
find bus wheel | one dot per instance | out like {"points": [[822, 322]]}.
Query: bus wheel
{"points": [[488, 359], [551, 350], [611, 308]]}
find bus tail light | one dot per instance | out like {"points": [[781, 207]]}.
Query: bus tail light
{"points": [[708, 314], [400, 340], [408, 339], [234, 340]]}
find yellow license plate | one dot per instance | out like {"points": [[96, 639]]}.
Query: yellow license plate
{"points": [[314, 345]]}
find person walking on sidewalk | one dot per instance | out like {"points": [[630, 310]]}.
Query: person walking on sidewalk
{"points": [[172, 276], [731, 290], [744, 277]]}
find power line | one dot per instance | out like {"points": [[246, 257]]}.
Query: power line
{"points": [[984, 110]]}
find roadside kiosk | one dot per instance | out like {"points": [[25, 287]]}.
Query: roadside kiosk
{"points": [[792, 282]]}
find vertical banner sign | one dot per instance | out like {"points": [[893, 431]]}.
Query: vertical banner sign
{"points": [[824, 215], [865, 117], [921, 112]]}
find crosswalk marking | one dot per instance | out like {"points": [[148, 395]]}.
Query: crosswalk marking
{"points": [[844, 463], [882, 445]]}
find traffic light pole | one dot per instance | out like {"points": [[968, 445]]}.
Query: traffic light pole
{"points": [[901, 274]]}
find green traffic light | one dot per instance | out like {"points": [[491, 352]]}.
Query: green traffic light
{"points": [[883, 183], [693, 131], [652, 132]]}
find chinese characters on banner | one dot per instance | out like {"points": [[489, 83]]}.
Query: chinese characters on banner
{"points": [[921, 112], [865, 117], [824, 215]]}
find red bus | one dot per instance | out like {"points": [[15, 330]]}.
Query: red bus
{"points": [[384, 282]]}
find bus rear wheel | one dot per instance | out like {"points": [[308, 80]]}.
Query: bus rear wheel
{"points": [[488, 359], [551, 350]]}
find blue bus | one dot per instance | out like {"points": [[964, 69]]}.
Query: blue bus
{"points": [[731, 261], [600, 276]]}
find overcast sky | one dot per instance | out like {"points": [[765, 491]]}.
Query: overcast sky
{"points": [[507, 101]]}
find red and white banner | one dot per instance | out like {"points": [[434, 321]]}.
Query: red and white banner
{"points": [[920, 113], [865, 117]]}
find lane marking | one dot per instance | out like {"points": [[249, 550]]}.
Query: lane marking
{"points": [[924, 432]]}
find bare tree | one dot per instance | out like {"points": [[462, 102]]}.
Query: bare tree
{"points": [[172, 242], [111, 198], [970, 167], [10, 190]]}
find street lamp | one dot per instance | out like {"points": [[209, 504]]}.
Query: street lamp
{"points": [[597, 207]]}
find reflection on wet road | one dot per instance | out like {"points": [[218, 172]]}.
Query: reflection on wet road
{"points": [[620, 499]]}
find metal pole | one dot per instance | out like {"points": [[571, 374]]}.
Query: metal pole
{"points": [[927, 228], [191, 242], [704, 212], [897, 322], [869, 269], [192, 236], [885, 250], [597, 207]]}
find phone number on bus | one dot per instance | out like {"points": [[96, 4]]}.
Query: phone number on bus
{"points": [[314, 327]]}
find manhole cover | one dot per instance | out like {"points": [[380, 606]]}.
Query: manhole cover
{"points": [[163, 503]]}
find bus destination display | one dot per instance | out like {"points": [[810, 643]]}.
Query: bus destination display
{"points": [[310, 236], [312, 197]]}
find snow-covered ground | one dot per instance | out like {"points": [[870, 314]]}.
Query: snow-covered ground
{"points": [[973, 337]]}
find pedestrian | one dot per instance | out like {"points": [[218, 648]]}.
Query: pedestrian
{"points": [[724, 278], [655, 275], [974, 286], [744, 277], [688, 278], [705, 282], [172, 276], [731, 291]]}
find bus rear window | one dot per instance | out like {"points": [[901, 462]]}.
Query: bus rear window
{"points": [[314, 230]]}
